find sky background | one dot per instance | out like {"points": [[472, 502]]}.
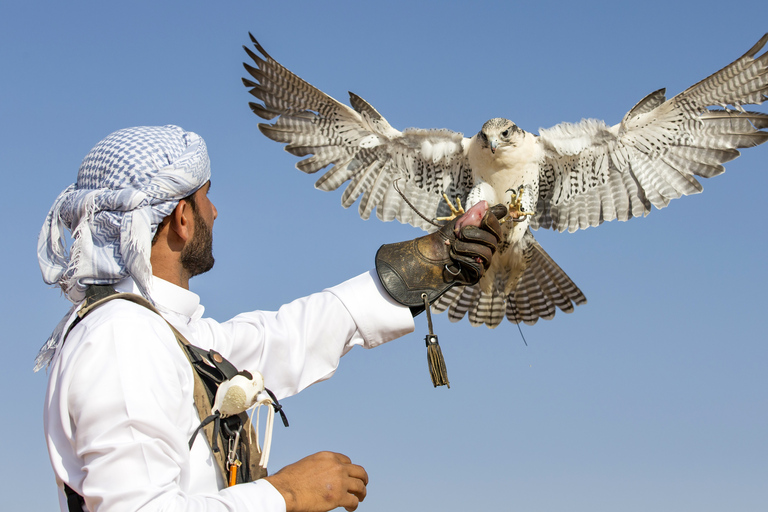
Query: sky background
{"points": [[653, 396]]}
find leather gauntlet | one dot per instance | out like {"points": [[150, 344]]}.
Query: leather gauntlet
{"points": [[434, 263]]}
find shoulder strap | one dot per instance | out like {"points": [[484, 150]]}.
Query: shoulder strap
{"points": [[98, 295], [75, 502]]}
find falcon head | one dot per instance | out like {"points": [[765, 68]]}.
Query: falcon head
{"points": [[499, 132]]}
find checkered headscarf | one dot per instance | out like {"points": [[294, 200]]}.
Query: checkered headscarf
{"points": [[126, 185]]}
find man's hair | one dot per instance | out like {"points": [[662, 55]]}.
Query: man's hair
{"points": [[190, 199]]}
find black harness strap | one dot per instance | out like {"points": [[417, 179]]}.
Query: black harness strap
{"points": [[75, 502]]}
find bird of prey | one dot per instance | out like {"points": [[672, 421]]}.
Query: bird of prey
{"points": [[568, 177]]}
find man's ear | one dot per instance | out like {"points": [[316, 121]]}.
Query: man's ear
{"points": [[181, 221]]}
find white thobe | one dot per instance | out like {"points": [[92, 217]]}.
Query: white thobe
{"points": [[119, 410]]}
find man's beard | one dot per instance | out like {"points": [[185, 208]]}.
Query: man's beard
{"points": [[197, 255]]}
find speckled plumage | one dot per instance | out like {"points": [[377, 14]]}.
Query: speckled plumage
{"points": [[570, 176]]}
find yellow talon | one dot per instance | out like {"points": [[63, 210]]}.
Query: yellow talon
{"points": [[515, 205], [455, 212]]}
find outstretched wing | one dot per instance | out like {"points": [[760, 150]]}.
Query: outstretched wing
{"points": [[360, 146], [592, 173]]}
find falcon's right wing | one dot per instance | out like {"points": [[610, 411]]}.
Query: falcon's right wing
{"points": [[592, 173], [360, 146]]}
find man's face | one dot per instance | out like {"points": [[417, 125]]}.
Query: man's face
{"points": [[197, 255]]}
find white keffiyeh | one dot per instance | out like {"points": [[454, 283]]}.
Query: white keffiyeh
{"points": [[127, 184]]}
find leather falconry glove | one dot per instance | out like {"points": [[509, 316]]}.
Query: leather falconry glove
{"points": [[457, 253]]}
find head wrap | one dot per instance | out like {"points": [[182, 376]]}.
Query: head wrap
{"points": [[127, 184]]}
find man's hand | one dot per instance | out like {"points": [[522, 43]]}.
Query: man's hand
{"points": [[321, 482]]}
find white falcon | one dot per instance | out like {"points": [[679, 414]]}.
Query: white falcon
{"points": [[569, 177]]}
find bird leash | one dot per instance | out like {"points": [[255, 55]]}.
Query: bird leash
{"points": [[435, 359]]}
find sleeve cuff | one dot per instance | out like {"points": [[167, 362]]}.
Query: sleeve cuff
{"points": [[378, 317], [259, 495]]}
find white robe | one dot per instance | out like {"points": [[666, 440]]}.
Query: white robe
{"points": [[119, 410]]}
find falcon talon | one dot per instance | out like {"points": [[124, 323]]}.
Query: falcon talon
{"points": [[516, 212], [455, 211]]}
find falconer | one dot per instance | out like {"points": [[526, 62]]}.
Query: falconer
{"points": [[120, 407]]}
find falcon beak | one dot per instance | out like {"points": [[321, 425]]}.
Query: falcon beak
{"points": [[494, 145]]}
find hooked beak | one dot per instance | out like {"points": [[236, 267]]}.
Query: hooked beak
{"points": [[494, 144]]}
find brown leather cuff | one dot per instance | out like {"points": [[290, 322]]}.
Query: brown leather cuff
{"points": [[406, 272]]}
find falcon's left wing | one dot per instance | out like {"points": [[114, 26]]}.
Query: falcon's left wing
{"points": [[592, 173], [360, 146]]}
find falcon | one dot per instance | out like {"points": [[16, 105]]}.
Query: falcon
{"points": [[568, 177]]}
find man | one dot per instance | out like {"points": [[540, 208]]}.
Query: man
{"points": [[119, 410]]}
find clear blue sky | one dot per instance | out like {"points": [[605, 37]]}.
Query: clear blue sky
{"points": [[653, 396]]}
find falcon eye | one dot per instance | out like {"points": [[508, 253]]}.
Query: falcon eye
{"points": [[505, 133]]}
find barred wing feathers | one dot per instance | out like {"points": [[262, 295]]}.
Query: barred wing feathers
{"points": [[591, 173], [360, 147]]}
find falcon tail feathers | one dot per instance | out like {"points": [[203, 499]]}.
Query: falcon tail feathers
{"points": [[542, 288]]}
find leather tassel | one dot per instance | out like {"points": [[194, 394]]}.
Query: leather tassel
{"points": [[435, 360]]}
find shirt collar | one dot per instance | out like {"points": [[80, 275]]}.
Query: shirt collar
{"points": [[168, 297]]}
